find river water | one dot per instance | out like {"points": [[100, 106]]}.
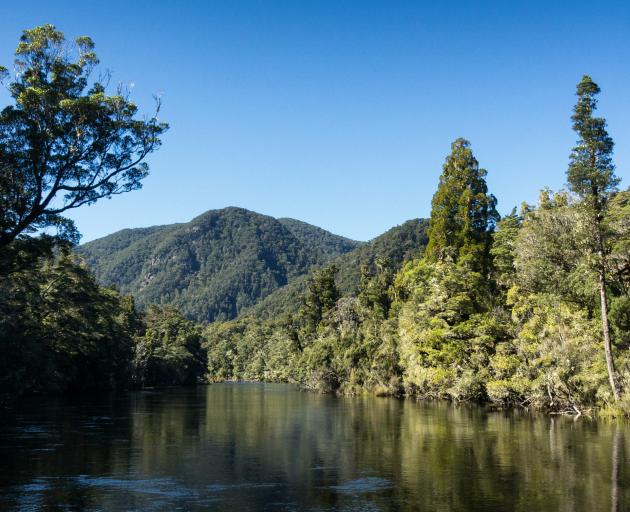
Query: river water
{"points": [[245, 446]]}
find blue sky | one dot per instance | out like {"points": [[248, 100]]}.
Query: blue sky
{"points": [[341, 113]]}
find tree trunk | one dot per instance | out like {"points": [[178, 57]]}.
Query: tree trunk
{"points": [[601, 271], [610, 363]]}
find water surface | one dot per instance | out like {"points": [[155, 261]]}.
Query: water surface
{"points": [[241, 446]]}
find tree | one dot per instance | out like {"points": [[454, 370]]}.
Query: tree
{"points": [[502, 251], [591, 176], [443, 324], [374, 288], [320, 297], [463, 214], [549, 255], [59, 330], [446, 333], [65, 142], [170, 350], [619, 266]]}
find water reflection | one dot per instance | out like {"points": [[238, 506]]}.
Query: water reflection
{"points": [[617, 460], [242, 447]]}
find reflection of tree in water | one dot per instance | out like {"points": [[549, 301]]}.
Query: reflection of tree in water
{"points": [[438, 456], [240, 445], [617, 456]]}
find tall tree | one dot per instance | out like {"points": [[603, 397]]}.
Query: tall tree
{"points": [[65, 142], [463, 214], [320, 297], [591, 176]]}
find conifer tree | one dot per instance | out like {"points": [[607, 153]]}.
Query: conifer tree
{"points": [[463, 214], [591, 176]]}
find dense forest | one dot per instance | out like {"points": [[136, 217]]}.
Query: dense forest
{"points": [[506, 311], [215, 266], [397, 245], [530, 310]]}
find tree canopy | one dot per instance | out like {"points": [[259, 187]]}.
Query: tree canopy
{"points": [[65, 142], [463, 214]]}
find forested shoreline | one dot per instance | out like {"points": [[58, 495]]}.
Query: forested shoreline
{"points": [[530, 310], [509, 316]]}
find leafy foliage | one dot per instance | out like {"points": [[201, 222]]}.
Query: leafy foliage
{"points": [[65, 143], [169, 351], [319, 241], [505, 316], [504, 311], [463, 214], [59, 330]]}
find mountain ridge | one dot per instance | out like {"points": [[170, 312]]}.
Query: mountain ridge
{"points": [[398, 244], [214, 266]]}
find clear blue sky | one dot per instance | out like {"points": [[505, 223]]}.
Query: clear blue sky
{"points": [[341, 113]]}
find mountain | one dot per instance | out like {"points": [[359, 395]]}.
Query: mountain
{"points": [[399, 244], [317, 239], [215, 266]]}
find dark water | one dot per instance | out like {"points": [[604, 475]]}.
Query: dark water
{"points": [[240, 447]]}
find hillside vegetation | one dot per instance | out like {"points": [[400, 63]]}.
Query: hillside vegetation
{"points": [[529, 310], [397, 245], [214, 266]]}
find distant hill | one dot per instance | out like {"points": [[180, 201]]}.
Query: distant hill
{"points": [[215, 266], [319, 240], [399, 244]]}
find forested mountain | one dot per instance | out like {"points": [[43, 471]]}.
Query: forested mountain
{"points": [[214, 266], [397, 245], [319, 240]]}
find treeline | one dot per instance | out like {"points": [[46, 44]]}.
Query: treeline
{"points": [[531, 310], [65, 143], [60, 332]]}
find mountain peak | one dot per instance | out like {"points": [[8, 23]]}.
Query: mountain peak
{"points": [[214, 266]]}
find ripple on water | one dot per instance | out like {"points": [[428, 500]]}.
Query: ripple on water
{"points": [[364, 485], [166, 487], [245, 485], [38, 485], [32, 431]]}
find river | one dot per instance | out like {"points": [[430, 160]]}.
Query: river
{"points": [[247, 446]]}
